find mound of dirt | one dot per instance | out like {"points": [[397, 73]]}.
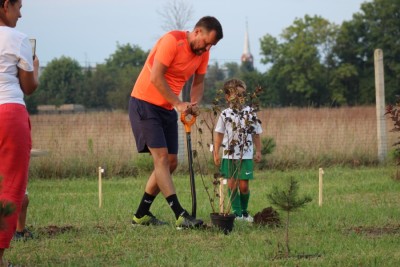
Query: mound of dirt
{"points": [[53, 230], [267, 216]]}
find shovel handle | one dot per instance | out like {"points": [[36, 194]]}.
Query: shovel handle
{"points": [[187, 123]]}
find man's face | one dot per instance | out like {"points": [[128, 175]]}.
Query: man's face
{"points": [[203, 41]]}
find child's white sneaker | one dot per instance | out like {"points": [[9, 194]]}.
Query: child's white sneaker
{"points": [[239, 218], [247, 217]]}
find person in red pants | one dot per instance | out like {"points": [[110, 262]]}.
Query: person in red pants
{"points": [[18, 76]]}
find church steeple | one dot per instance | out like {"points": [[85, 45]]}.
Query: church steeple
{"points": [[247, 57]]}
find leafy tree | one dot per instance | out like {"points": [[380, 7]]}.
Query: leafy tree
{"points": [[110, 84], [126, 55], [98, 82], [377, 25], [213, 81], [118, 96], [300, 68], [60, 83], [247, 67], [232, 70], [255, 79]]}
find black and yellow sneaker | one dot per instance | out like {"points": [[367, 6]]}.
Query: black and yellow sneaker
{"points": [[147, 220], [186, 221]]}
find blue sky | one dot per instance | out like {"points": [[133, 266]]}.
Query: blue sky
{"points": [[89, 30]]}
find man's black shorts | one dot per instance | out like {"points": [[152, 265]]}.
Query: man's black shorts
{"points": [[153, 126]]}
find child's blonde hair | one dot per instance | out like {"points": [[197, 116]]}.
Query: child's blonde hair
{"points": [[231, 86]]}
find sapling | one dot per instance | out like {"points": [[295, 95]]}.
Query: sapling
{"points": [[288, 200]]}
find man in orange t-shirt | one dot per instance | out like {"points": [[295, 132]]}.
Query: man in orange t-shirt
{"points": [[153, 108]]}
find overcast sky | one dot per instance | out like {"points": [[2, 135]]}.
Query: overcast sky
{"points": [[89, 30]]}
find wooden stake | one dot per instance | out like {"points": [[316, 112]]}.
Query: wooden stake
{"points": [[101, 170], [221, 195], [321, 174]]}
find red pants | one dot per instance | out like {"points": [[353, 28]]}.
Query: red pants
{"points": [[15, 148]]}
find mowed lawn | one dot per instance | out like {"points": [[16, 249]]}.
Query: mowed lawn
{"points": [[357, 225]]}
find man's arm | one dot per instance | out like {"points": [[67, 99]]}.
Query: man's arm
{"points": [[158, 80], [196, 94]]}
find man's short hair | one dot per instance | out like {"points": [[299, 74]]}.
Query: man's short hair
{"points": [[211, 24]]}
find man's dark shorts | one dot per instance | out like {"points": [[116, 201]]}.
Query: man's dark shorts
{"points": [[153, 126]]}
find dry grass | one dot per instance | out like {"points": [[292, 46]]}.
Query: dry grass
{"points": [[79, 143]]}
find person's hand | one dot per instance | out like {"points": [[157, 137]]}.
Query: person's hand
{"points": [[193, 110], [181, 107], [257, 157], [188, 108], [36, 62], [217, 160]]}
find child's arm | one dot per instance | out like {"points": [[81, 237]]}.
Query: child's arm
{"points": [[218, 137], [257, 145]]}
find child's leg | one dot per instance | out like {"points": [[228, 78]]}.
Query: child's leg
{"points": [[244, 194], [234, 196]]}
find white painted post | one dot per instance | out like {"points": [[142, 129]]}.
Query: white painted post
{"points": [[380, 105], [101, 170], [321, 174]]}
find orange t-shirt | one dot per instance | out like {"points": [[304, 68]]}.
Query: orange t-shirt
{"points": [[172, 50]]}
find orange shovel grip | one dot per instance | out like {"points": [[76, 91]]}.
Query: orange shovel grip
{"points": [[187, 123]]}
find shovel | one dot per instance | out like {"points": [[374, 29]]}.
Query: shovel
{"points": [[188, 124]]}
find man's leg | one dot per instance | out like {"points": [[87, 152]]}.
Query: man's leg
{"points": [[163, 179], [164, 182], [152, 189]]}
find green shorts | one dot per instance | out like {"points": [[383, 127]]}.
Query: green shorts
{"points": [[242, 170]]}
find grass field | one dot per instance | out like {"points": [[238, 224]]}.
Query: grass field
{"points": [[305, 137], [358, 224]]}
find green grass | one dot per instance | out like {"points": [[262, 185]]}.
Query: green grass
{"points": [[358, 224]]}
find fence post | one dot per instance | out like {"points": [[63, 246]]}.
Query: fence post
{"points": [[380, 105]]}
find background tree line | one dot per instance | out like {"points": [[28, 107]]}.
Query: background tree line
{"points": [[312, 63]]}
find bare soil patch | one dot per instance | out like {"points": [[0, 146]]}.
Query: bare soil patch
{"points": [[267, 217]]}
